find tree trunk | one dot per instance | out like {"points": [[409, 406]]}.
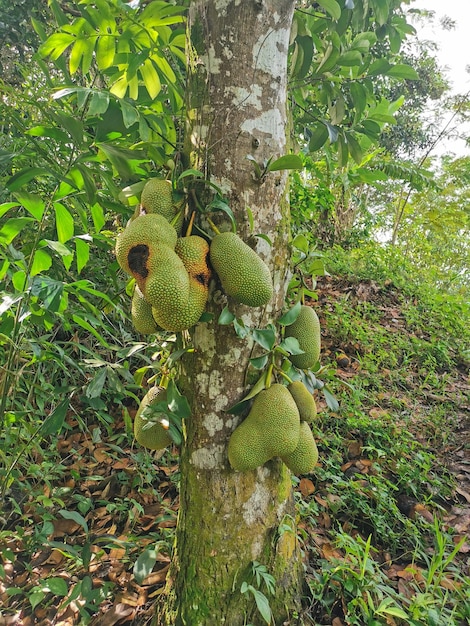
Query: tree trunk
{"points": [[237, 56]]}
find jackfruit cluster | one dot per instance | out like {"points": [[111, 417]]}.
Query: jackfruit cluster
{"points": [[171, 272], [151, 431], [276, 426]]}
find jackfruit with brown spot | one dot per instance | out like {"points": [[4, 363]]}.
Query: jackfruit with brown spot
{"points": [[305, 456], [306, 329], [304, 401], [272, 428], [243, 274], [194, 252], [157, 197], [155, 437], [141, 313], [133, 243]]}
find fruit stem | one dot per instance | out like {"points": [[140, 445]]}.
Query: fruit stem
{"points": [[269, 374], [190, 225], [213, 226], [284, 375]]}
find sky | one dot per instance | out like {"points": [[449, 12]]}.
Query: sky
{"points": [[454, 48]]}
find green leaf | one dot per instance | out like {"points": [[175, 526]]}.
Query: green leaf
{"points": [[151, 79], [35, 597], [286, 162], [64, 223], [177, 403], [331, 7], [32, 203], [380, 66], [97, 216], [262, 604], [56, 44], [226, 317], [23, 177], [301, 242], [82, 253], [292, 314], [266, 338], [350, 58], [99, 103], [144, 565], [12, 228], [241, 330], [220, 205], [41, 262], [291, 346], [331, 401], [239, 407], [105, 50], [259, 362], [403, 71], [49, 291], [56, 585], [6, 206], [87, 326], [318, 138], [354, 148], [76, 517], [95, 386], [55, 420]]}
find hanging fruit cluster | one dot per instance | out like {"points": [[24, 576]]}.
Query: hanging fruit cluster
{"points": [[278, 424], [172, 274]]}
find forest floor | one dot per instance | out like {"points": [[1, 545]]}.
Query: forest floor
{"points": [[94, 546]]}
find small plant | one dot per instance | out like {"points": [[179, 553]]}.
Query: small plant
{"points": [[260, 576]]}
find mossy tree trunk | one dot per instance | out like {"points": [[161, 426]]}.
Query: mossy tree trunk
{"points": [[237, 52]]}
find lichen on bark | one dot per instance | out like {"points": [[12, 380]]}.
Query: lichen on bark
{"points": [[237, 56]]}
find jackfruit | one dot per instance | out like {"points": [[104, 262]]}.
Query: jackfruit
{"points": [[304, 401], [272, 428], [180, 318], [157, 197], [306, 329], [167, 284], [141, 313], [243, 274], [156, 437], [305, 456], [134, 242], [194, 252]]}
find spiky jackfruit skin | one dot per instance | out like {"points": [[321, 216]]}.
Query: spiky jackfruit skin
{"points": [[306, 329], [157, 197], [272, 428], [194, 252], [304, 401], [156, 437], [141, 313], [134, 242], [243, 274], [176, 319], [305, 456]]}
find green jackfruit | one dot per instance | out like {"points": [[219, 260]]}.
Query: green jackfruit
{"points": [[157, 197], [306, 329], [304, 401], [305, 456], [180, 318], [156, 437], [272, 428], [133, 244], [141, 313], [167, 285], [194, 252], [243, 274]]}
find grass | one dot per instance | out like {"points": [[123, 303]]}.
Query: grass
{"points": [[378, 548]]}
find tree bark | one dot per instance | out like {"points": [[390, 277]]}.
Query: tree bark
{"points": [[237, 57]]}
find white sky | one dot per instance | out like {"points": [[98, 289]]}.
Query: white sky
{"points": [[454, 49]]}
